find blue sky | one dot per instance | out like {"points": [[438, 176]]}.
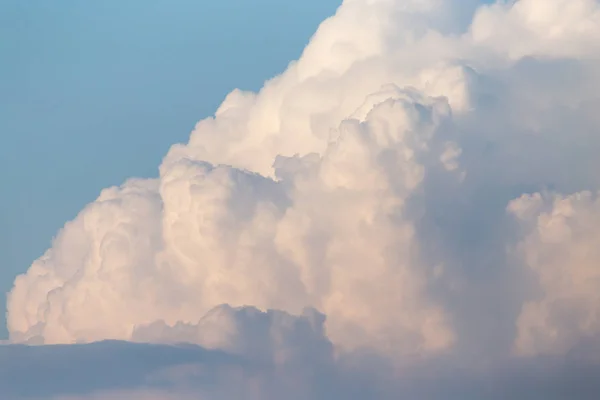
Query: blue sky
{"points": [[92, 93]]}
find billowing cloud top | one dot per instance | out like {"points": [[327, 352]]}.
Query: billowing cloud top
{"points": [[425, 176]]}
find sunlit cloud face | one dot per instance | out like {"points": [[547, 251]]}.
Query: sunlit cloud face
{"points": [[419, 191]]}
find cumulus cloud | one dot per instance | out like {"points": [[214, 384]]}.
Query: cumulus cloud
{"points": [[365, 190], [561, 249]]}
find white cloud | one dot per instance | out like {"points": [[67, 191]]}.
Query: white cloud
{"points": [[561, 248], [369, 181], [555, 28]]}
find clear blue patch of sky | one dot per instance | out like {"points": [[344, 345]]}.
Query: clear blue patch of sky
{"points": [[95, 92]]}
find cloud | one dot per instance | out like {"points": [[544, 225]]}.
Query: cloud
{"points": [[560, 247], [272, 336], [539, 28], [120, 370], [418, 188], [230, 236], [271, 355], [79, 370]]}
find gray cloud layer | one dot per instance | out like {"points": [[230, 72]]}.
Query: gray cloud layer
{"points": [[122, 370]]}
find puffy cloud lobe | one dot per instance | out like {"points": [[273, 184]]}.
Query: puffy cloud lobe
{"points": [[555, 28], [236, 237], [270, 337], [96, 262], [561, 249], [369, 181]]}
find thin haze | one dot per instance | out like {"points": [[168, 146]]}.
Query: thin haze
{"points": [[410, 210]]}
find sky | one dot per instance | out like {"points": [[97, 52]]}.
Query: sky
{"points": [[407, 207], [97, 92]]}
